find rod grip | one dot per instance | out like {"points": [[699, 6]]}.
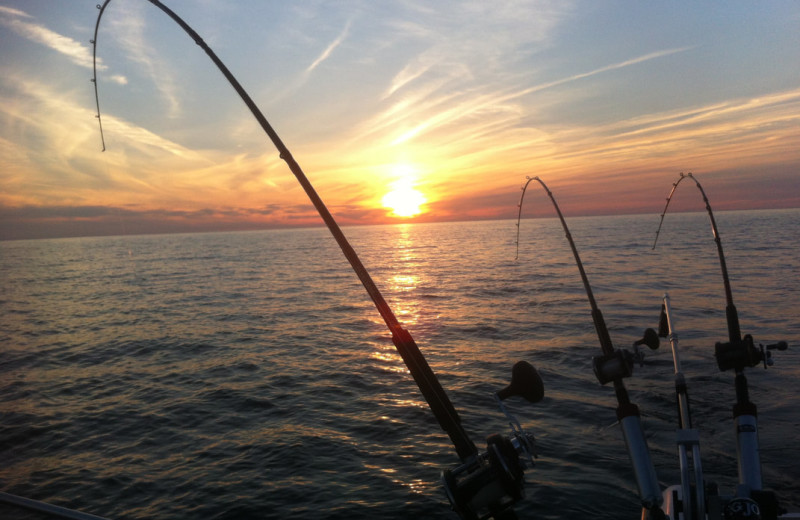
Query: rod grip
{"points": [[645, 472]]}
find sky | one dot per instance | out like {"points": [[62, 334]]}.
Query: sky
{"points": [[450, 104]]}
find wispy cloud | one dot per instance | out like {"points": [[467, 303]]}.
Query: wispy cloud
{"points": [[470, 41], [457, 64], [294, 84], [61, 170], [329, 49], [14, 12], [739, 131], [19, 22], [430, 107], [409, 73], [129, 30], [607, 68]]}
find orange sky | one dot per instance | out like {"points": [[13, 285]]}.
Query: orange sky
{"points": [[460, 105]]}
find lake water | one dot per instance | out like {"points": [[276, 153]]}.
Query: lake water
{"points": [[247, 375]]}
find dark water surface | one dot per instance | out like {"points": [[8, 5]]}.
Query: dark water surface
{"points": [[247, 375]]}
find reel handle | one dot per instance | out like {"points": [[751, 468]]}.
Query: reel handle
{"points": [[650, 339], [525, 382], [781, 345], [487, 486]]}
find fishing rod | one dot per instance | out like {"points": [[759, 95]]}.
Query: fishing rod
{"points": [[46, 508], [692, 491], [429, 385], [93, 41], [738, 353], [613, 366], [694, 498], [487, 484], [734, 332]]}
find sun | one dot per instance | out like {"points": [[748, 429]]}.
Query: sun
{"points": [[404, 200]]}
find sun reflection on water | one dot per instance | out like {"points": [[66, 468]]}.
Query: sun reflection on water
{"points": [[389, 359], [403, 282], [417, 485]]}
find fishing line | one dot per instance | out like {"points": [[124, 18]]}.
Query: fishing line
{"points": [[423, 375]]}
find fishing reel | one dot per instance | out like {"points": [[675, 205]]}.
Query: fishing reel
{"points": [[743, 353], [490, 483], [619, 364]]}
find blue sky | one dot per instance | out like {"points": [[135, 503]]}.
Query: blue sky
{"points": [[607, 101]]}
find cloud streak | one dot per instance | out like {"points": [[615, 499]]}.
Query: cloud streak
{"points": [[60, 171], [129, 29], [614, 66], [17, 21], [10, 11], [430, 107], [329, 49]]}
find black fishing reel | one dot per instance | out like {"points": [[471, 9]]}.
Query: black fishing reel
{"points": [[619, 364], [493, 482], [738, 355], [488, 485]]}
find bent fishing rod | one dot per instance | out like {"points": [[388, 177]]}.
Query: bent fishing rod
{"points": [[487, 484], [613, 366], [738, 353], [426, 380], [734, 332]]}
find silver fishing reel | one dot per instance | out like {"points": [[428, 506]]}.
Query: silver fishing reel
{"points": [[488, 485]]}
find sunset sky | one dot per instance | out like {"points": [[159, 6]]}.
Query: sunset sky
{"points": [[452, 103]]}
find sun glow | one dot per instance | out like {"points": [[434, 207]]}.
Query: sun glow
{"points": [[403, 199]]}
